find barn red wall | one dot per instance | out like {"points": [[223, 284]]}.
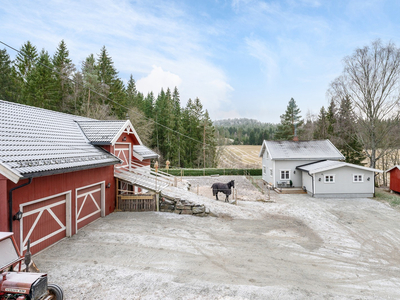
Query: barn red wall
{"points": [[395, 180], [46, 186], [3, 204]]}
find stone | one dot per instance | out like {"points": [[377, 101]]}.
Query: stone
{"points": [[198, 210]]}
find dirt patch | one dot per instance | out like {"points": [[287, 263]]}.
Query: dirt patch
{"points": [[295, 248]]}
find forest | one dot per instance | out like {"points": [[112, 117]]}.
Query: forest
{"points": [[183, 135], [362, 118]]}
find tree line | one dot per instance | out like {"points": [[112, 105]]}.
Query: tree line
{"points": [[183, 135], [363, 115], [243, 131]]}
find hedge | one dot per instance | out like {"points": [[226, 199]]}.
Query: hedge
{"points": [[208, 172]]}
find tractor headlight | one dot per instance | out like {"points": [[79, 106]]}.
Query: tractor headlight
{"points": [[39, 288]]}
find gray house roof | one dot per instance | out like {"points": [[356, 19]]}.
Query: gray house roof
{"points": [[105, 132], [327, 165], [301, 150], [37, 142], [142, 152]]}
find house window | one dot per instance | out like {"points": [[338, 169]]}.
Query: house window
{"points": [[265, 169], [270, 172], [329, 179], [285, 174], [358, 178]]}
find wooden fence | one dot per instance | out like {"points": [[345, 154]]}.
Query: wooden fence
{"points": [[142, 202]]}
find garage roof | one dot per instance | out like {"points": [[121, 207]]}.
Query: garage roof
{"points": [[37, 142], [327, 165], [303, 150]]}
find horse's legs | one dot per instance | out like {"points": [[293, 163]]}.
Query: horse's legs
{"points": [[227, 198], [216, 195]]}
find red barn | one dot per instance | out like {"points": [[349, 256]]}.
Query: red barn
{"points": [[57, 171], [394, 178]]}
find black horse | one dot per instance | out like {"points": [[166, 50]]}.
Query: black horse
{"points": [[223, 188]]}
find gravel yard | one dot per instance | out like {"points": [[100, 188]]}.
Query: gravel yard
{"points": [[296, 247]]}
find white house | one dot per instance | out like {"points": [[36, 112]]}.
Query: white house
{"points": [[280, 159], [338, 179], [315, 166]]}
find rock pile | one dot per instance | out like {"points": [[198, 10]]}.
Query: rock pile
{"points": [[183, 207]]}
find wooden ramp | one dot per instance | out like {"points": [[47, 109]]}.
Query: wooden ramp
{"points": [[290, 191]]}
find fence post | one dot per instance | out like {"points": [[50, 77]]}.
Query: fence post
{"points": [[158, 201]]}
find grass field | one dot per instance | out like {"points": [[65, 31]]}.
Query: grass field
{"points": [[240, 156]]}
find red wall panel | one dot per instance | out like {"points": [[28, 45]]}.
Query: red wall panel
{"points": [[46, 186], [395, 180]]}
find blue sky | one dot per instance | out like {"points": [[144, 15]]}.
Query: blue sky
{"points": [[242, 58]]}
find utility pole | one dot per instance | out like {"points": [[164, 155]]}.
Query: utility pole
{"points": [[204, 145]]}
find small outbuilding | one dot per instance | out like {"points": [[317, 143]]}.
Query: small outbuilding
{"points": [[338, 179], [394, 178]]}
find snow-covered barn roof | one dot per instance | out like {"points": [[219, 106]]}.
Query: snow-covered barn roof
{"points": [[142, 152], [327, 165], [37, 142], [303, 150]]}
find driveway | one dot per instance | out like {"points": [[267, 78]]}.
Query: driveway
{"points": [[295, 248]]}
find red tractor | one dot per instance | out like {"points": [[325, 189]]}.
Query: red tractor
{"points": [[22, 285]]}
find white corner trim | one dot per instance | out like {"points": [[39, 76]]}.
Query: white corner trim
{"points": [[11, 175]]}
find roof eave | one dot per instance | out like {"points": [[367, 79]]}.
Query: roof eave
{"points": [[68, 170], [10, 174]]}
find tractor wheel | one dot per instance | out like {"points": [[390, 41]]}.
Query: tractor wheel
{"points": [[55, 292]]}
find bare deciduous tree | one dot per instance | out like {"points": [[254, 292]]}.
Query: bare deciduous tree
{"points": [[371, 80]]}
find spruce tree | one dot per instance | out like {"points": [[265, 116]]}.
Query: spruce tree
{"points": [[321, 125], [348, 140], [41, 87], [108, 76], [290, 122], [8, 84], [64, 69]]}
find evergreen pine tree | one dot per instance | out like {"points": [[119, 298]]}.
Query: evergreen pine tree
{"points": [[64, 70], [290, 122], [348, 140], [321, 125], [8, 84], [108, 76], [41, 84]]}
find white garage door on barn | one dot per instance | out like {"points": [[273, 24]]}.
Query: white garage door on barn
{"points": [[45, 221], [90, 202]]}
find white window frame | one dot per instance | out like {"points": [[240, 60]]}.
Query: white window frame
{"points": [[265, 169], [326, 176], [271, 172], [358, 178], [283, 172]]}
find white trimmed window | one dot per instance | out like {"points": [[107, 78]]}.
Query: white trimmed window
{"points": [[270, 172], [285, 174], [265, 169], [358, 178], [329, 178]]}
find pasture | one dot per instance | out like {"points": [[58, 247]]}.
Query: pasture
{"points": [[239, 156]]}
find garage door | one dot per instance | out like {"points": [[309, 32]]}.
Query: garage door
{"points": [[89, 204], [45, 221]]}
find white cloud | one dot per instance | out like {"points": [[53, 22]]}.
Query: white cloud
{"points": [[157, 79], [268, 59]]}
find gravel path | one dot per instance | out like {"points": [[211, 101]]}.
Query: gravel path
{"points": [[297, 247]]}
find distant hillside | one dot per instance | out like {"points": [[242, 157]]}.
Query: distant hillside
{"points": [[242, 122], [244, 131]]}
